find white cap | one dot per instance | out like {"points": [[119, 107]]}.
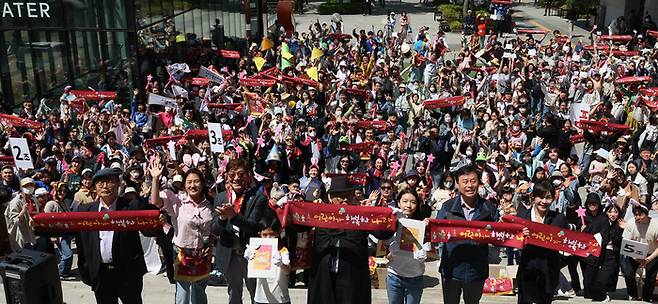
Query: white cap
{"points": [[129, 190], [40, 192]]}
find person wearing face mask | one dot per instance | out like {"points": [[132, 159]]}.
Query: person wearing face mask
{"points": [[539, 269], [18, 219]]}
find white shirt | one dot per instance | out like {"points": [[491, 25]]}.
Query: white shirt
{"points": [[106, 237], [468, 211]]}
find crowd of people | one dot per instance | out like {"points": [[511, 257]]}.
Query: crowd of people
{"points": [[349, 121]]}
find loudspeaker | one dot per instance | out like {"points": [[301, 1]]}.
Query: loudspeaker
{"points": [[31, 277]]}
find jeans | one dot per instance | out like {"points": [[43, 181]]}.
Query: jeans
{"points": [[196, 291], [401, 290], [629, 267], [65, 255]]}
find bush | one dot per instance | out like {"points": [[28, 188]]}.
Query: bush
{"points": [[455, 25], [330, 7]]}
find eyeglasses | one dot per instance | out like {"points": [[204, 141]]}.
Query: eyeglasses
{"points": [[236, 175], [386, 188]]}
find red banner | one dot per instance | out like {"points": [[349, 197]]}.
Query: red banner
{"points": [[226, 106], [20, 122], [531, 31], [620, 53], [229, 54], [499, 234], [338, 216], [362, 147], [616, 37], [200, 81], [335, 36], [598, 126], [479, 69], [149, 143], [7, 161], [257, 82], [79, 105], [97, 221], [503, 2], [652, 33], [369, 124], [577, 138], [649, 91], [600, 47], [94, 95], [633, 79], [444, 102], [559, 239], [302, 81]]}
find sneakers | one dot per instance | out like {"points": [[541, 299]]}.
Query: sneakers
{"points": [[567, 294], [606, 300]]}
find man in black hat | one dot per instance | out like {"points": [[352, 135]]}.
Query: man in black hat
{"points": [[112, 262], [340, 273]]}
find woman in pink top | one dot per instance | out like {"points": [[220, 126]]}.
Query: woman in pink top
{"points": [[191, 217]]}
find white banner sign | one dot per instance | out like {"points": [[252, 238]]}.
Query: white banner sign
{"points": [[578, 111], [205, 72], [156, 99], [216, 137], [21, 153], [633, 249]]}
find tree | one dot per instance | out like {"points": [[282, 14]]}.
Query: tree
{"points": [[465, 9]]}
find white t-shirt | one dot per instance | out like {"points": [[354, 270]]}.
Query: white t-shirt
{"points": [[274, 290], [645, 233]]}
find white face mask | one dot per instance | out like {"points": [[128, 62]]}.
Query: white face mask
{"points": [[448, 184], [516, 128], [311, 134], [28, 190], [469, 153]]}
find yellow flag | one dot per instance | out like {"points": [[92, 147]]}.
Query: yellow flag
{"points": [[260, 62], [316, 53], [266, 44], [285, 63], [313, 73], [285, 51]]}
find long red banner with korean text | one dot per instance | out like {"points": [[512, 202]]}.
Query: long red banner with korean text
{"points": [[94, 95], [556, 238], [97, 221], [499, 234], [334, 216], [20, 122]]}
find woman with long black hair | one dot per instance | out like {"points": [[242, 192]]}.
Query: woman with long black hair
{"points": [[191, 216], [404, 283], [539, 269], [608, 273]]}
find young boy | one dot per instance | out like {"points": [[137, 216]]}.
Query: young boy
{"points": [[274, 290]]}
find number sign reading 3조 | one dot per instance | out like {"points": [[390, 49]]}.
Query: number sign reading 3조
{"points": [[216, 137], [21, 152], [633, 249]]}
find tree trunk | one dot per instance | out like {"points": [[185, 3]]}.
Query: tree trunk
{"points": [[465, 9]]}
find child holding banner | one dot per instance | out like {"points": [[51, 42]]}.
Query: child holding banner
{"points": [[404, 283]]}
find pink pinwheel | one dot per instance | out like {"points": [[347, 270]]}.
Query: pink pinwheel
{"points": [[238, 150], [430, 160], [259, 143], [581, 214]]}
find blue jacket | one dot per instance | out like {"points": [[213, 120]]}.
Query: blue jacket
{"points": [[466, 261]]}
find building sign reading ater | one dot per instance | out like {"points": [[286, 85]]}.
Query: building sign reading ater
{"points": [[25, 10]]}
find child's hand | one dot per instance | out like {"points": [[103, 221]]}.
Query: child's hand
{"points": [[250, 252], [276, 258]]}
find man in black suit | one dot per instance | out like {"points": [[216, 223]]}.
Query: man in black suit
{"points": [[111, 262], [240, 209]]}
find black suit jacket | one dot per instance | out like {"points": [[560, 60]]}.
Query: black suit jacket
{"points": [[249, 222], [127, 252]]}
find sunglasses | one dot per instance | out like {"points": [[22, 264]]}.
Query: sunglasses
{"points": [[386, 188]]}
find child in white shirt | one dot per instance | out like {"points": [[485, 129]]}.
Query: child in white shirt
{"points": [[274, 290]]}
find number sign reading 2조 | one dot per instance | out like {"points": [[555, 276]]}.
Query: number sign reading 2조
{"points": [[216, 137], [633, 249], [21, 153]]}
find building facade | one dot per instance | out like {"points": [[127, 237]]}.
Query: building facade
{"points": [[46, 45], [611, 9]]}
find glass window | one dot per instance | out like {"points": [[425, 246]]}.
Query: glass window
{"points": [[49, 53], [142, 13], [115, 14], [85, 13], [156, 10], [20, 66]]}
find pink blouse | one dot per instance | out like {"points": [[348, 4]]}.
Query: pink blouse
{"points": [[191, 221]]}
